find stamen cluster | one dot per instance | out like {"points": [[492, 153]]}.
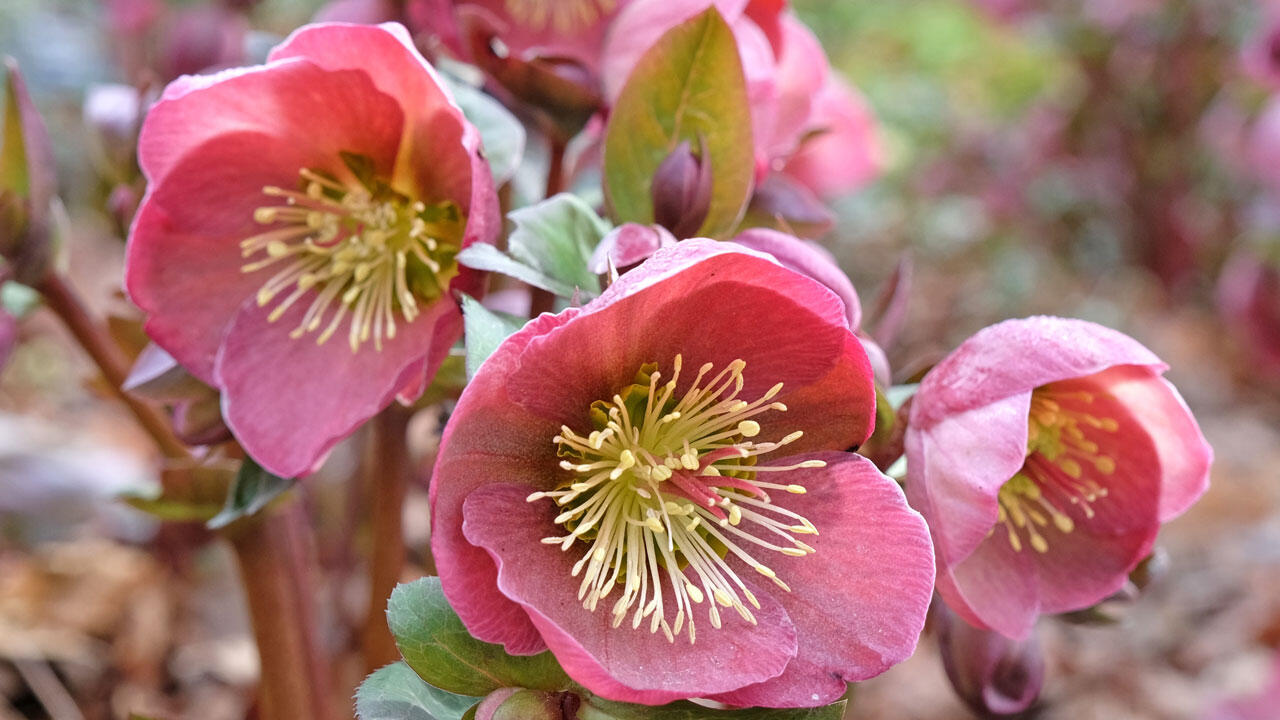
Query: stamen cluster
{"points": [[1056, 475], [661, 491], [367, 250]]}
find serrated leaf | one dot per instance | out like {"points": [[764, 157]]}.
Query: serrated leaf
{"points": [[594, 708], [252, 490], [484, 331], [483, 256], [395, 692], [436, 645], [549, 247], [689, 84], [502, 135], [557, 237]]}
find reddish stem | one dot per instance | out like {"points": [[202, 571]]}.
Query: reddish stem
{"points": [[274, 569], [387, 474], [541, 301], [62, 299]]}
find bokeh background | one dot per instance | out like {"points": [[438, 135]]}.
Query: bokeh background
{"points": [[1115, 160]]}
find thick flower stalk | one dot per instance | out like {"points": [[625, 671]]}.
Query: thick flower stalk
{"points": [[1045, 454], [295, 248], [654, 486]]}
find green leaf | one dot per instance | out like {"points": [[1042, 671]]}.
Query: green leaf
{"points": [[395, 692], [594, 708], [557, 236], [502, 135], [689, 84], [484, 330], [437, 646], [252, 490], [549, 247]]}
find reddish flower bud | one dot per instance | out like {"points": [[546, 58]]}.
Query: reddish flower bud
{"points": [[521, 704], [681, 190], [114, 112], [27, 184], [992, 674]]}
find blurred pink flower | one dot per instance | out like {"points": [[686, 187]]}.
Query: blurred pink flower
{"points": [[806, 121], [295, 248], [1262, 706], [600, 492], [1249, 301], [1045, 453]]}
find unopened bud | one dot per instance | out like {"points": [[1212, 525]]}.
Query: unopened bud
{"points": [[27, 184], [114, 112], [522, 704], [563, 91], [992, 674], [628, 245], [681, 190]]}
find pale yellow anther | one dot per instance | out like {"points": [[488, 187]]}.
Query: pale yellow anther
{"points": [[793, 552], [722, 597], [796, 489], [749, 428]]}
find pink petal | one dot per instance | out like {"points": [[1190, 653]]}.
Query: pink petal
{"points": [[627, 245], [801, 73], [957, 466], [1016, 356], [808, 258], [621, 663], [292, 101], [183, 258], [489, 439], [1184, 455], [859, 603], [290, 401], [786, 327], [846, 154]]}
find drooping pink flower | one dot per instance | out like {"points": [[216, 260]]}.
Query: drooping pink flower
{"points": [[1045, 453], [295, 248], [639, 484]]}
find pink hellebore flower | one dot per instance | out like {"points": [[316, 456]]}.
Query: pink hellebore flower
{"points": [[296, 245], [1045, 453], [654, 487]]}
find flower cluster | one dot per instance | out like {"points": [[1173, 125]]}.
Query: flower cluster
{"points": [[659, 483]]}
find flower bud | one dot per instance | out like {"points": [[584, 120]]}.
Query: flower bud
{"points": [[27, 184], [114, 112], [781, 203], [628, 245], [992, 674], [562, 88], [1249, 302], [522, 704], [682, 190]]}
